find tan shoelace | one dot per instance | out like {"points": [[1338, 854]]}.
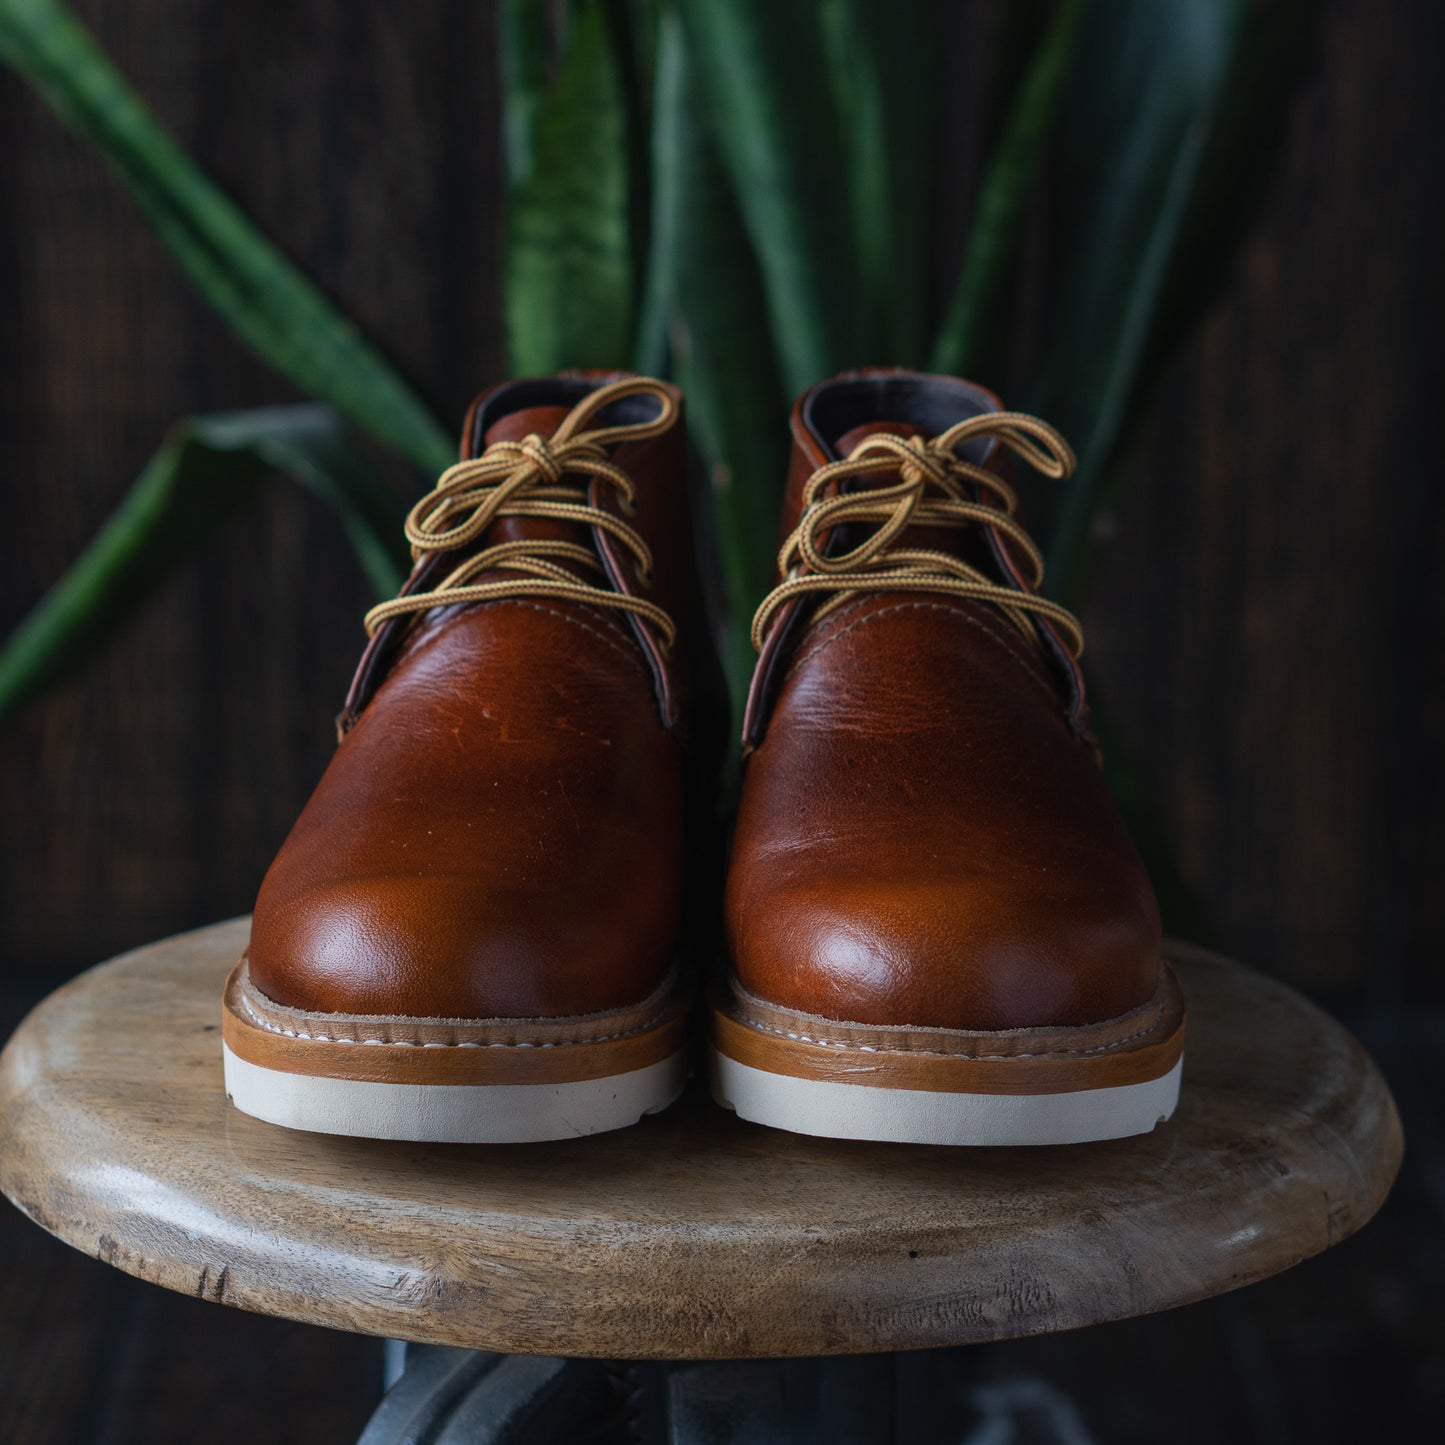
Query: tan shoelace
{"points": [[932, 491], [526, 479]]}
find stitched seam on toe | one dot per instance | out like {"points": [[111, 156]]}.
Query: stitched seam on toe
{"points": [[834, 622], [613, 640], [1027, 663], [998, 636]]}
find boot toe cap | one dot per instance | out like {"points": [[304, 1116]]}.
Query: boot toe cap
{"points": [[946, 953], [446, 947]]}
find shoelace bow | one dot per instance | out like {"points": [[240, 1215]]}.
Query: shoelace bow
{"points": [[526, 479], [932, 491]]}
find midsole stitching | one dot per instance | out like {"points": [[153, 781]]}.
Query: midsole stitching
{"points": [[748, 1021], [271, 1028]]}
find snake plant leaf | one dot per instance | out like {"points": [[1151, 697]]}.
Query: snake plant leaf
{"points": [[706, 319], [1144, 95], [1017, 36], [1193, 97], [207, 470], [568, 299], [885, 62], [261, 295], [775, 122], [524, 50], [312, 444], [1276, 51], [971, 341], [634, 27]]}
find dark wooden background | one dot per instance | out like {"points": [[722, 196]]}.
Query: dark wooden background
{"points": [[1267, 620]]}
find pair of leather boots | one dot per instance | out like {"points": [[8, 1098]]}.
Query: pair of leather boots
{"points": [[492, 921]]}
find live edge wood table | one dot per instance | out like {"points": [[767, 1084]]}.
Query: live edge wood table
{"points": [[692, 1236]]}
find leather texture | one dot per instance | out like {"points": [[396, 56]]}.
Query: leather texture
{"points": [[924, 837], [502, 831]]}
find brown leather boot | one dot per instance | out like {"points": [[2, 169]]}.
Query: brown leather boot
{"points": [[939, 928], [471, 932]]}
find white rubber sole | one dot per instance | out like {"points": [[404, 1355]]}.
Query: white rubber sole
{"points": [[453, 1113], [921, 1116]]}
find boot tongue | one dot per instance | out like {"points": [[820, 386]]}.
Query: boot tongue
{"points": [[969, 543], [802, 467], [941, 539], [849, 440], [540, 421]]}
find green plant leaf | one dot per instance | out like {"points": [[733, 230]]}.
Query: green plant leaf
{"points": [[1137, 114], [524, 51], [1276, 51], [263, 297], [971, 340], [1175, 117], [311, 444], [207, 469], [885, 63], [707, 319], [568, 300], [1015, 39], [634, 26], [775, 123]]}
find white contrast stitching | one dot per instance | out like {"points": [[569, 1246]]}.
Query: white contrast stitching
{"points": [[1029, 664], [942, 1053], [613, 640]]}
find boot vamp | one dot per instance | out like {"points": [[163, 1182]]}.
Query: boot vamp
{"points": [[499, 835], [922, 840]]}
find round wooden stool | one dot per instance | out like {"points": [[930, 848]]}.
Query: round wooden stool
{"points": [[693, 1235]]}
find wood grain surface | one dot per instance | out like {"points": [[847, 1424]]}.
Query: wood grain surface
{"points": [[693, 1234]]}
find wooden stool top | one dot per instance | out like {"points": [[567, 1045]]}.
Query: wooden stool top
{"points": [[692, 1235]]}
